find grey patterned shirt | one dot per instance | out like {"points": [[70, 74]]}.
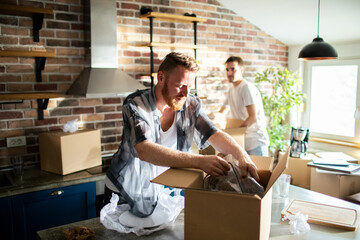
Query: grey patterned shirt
{"points": [[141, 121]]}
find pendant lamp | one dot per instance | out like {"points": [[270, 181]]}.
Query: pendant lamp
{"points": [[318, 49]]}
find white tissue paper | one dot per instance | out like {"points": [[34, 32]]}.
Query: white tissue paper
{"points": [[71, 126], [170, 206], [298, 223]]}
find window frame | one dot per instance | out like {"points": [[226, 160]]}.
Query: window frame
{"points": [[307, 66]]}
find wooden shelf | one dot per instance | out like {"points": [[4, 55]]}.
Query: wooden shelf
{"points": [[172, 18], [171, 45], [23, 10], [16, 53], [29, 96]]}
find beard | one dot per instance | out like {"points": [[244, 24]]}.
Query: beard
{"points": [[175, 103]]}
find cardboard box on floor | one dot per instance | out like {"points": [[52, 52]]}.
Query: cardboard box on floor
{"points": [[64, 153], [225, 215], [232, 128], [334, 184]]}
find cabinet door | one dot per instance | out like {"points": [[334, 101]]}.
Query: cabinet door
{"points": [[6, 227], [49, 208]]}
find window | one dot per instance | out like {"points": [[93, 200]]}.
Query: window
{"points": [[333, 99]]}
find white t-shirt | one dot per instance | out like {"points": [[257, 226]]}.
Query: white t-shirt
{"points": [[238, 99], [168, 139]]}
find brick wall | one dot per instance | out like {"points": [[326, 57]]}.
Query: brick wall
{"points": [[224, 33]]}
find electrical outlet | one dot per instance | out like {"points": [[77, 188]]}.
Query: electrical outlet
{"points": [[16, 141]]}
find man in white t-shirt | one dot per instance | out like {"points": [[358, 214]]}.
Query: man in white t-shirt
{"points": [[246, 104]]}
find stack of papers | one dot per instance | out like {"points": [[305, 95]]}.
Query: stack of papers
{"points": [[334, 161]]}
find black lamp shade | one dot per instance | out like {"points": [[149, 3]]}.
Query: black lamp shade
{"points": [[318, 50]]}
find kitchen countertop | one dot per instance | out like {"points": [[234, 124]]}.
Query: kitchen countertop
{"points": [[279, 229], [34, 179]]}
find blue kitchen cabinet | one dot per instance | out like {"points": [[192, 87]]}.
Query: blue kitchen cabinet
{"points": [[6, 226], [49, 208]]}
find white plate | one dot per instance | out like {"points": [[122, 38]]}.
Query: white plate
{"points": [[155, 219]]}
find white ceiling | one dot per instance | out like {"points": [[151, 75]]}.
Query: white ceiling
{"points": [[294, 22]]}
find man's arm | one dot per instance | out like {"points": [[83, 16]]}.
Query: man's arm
{"points": [[224, 143], [251, 110], [159, 155]]}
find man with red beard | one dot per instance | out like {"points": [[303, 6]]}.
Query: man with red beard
{"points": [[159, 127]]}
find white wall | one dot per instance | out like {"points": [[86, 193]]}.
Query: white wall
{"points": [[349, 50]]}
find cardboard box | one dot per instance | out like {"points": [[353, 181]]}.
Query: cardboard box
{"points": [[299, 171], [333, 183], [225, 215], [65, 153], [234, 131]]}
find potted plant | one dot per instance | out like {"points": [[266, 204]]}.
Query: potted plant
{"points": [[278, 102]]}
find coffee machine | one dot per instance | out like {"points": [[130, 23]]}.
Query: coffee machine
{"points": [[299, 142]]}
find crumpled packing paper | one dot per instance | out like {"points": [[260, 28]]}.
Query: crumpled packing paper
{"points": [[71, 126], [298, 223]]}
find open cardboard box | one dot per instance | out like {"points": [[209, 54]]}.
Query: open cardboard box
{"points": [[225, 215]]}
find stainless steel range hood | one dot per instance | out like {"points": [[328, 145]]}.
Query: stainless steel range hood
{"points": [[103, 78]]}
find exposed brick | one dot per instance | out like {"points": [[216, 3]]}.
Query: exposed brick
{"points": [[67, 34], [90, 102], [15, 31], [65, 119], [26, 22], [130, 6], [9, 78], [111, 100], [8, 40], [68, 102], [67, 52], [10, 115], [104, 125], [57, 25], [57, 43], [46, 121], [102, 109], [57, 7], [19, 87], [60, 112], [59, 78], [30, 113], [109, 132], [92, 117], [70, 69], [66, 17], [77, 26], [113, 116], [8, 20], [108, 139], [44, 87], [20, 124], [83, 110], [112, 147], [77, 43]]}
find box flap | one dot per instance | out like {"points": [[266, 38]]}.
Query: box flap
{"points": [[262, 163], [280, 167], [181, 178]]}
